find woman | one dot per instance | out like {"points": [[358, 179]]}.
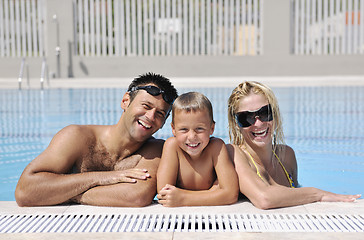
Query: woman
{"points": [[266, 167]]}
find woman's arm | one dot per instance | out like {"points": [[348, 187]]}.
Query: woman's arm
{"points": [[266, 196]]}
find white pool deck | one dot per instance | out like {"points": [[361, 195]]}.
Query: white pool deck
{"points": [[241, 208], [334, 210]]}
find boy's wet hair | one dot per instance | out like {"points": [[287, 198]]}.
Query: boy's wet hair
{"points": [[156, 79], [192, 102]]}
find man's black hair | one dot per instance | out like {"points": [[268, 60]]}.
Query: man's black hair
{"points": [[160, 81]]}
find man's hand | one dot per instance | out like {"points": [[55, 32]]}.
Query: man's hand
{"points": [[124, 176]]}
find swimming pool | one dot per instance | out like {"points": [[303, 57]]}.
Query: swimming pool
{"points": [[322, 124]]}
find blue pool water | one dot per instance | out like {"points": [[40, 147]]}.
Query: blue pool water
{"points": [[322, 124]]}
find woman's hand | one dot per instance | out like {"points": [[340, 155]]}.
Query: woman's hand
{"points": [[334, 197]]}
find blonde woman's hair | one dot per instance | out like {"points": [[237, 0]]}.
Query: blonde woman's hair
{"points": [[192, 102], [240, 92]]}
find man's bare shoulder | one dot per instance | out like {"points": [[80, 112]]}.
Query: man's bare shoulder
{"points": [[76, 130], [81, 131], [152, 148], [75, 137]]}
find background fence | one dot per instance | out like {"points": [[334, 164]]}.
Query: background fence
{"points": [[22, 28], [328, 26], [97, 38], [168, 28]]}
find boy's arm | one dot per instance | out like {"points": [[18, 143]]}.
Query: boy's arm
{"points": [[227, 189], [168, 167], [225, 192]]}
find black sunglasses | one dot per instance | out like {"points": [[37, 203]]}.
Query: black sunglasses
{"points": [[154, 91], [247, 118]]}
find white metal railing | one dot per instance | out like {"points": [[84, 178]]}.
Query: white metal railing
{"points": [[168, 28], [44, 73], [323, 27], [21, 28], [23, 65]]}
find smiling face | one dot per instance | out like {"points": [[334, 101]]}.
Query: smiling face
{"points": [[192, 130], [259, 133], [144, 115]]}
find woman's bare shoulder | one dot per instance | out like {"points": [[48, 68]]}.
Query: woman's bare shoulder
{"points": [[287, 156], [286, 152], [237, 155]]}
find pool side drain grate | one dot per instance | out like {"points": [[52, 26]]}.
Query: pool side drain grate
{"points": [[51, 223]]}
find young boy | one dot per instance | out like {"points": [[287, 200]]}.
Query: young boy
{"points": [[195, 169]]}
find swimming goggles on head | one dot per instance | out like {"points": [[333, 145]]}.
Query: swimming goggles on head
{"points": [[154, 91], [248, 118]]}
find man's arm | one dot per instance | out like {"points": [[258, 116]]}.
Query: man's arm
{"points": [[138, 194], [45, 181]]}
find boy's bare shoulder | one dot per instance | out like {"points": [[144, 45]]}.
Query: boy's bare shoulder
{"points": [[215, 146], [172, 141], [216, 141]]}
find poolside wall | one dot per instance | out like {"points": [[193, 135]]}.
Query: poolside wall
{"points": [[279, 50]]}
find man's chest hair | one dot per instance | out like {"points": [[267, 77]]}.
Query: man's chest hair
{"points": [[102, 160]]}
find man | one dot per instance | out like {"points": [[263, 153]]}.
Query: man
{"points": [[112, 165]]}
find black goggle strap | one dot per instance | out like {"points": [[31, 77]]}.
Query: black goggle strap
{"points": [[154, 91]]}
